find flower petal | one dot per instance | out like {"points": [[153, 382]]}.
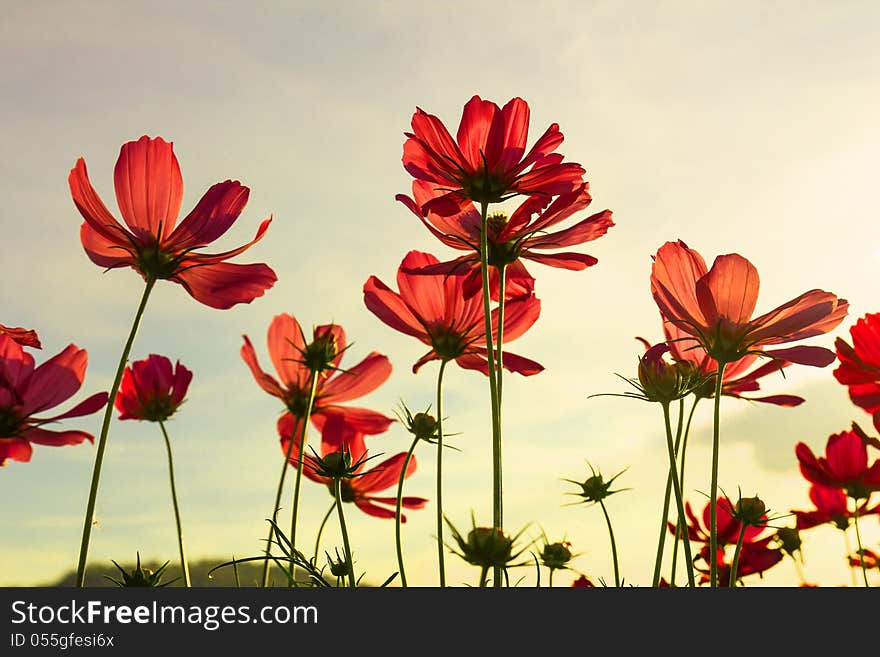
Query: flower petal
{"points": [[265, 381], [15, 449], [149, 187], [357, 381], [213, 215], [56, 380], [729, 290], [224, 284]]}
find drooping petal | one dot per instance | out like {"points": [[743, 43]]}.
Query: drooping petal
{"points": [[361, 419], [477, 359], [385, 475], [56, 438], [571, 261], [357, 381], [223, 285], [149, 187], [804, 355], [15, 449]]}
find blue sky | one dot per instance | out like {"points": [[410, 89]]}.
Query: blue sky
{"points": [[748, 128]]}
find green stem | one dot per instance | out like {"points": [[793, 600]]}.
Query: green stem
{"points": [[497, 515], [661, 542], [502, 284], [348, 560], [184, 566], [397, 511], [484, 571], [848, 547], [859, 541], [441, 557], [276, 506], [679, 529], [676, 487], [798, 570], [299, 470], [613, 544], [713, 494], [321, 529], [102, 441], [739, 544], [550, 584]]}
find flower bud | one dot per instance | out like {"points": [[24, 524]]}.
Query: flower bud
{"points": [[789, 539], [750, 511], [556, 555], [662, 381]]}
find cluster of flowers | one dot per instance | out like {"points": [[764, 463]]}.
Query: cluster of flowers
{"points": [[464, 309]]}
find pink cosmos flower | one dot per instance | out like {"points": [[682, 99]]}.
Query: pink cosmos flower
{"points": [[361, 489], [522, 236], [149, 190], [286, 344], [28, 391], [487, 162], [844, 466], [435, 310], [715, 307], [152, 389], [859, 367]]}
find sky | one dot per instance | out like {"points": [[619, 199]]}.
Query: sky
{"points": [[747, 128]]}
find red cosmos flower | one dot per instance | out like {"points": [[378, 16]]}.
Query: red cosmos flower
{"points": [[26, 390], [756, 555], [152, 389], [522, 236], [715, 308], [361, 488], [24, 337], [754, 558], [582, 583], [831, 506], [728, 526], [871, 559], [435, 309], [859, 367], [845, 465], [486, 163], [286, 343], [149, 190], [739, 376]]}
